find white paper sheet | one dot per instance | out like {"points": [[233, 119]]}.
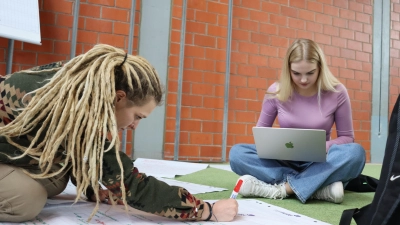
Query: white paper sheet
{"points": [[226, 167], [250, 212], [19, 20], [167, 168], [191, 187]]}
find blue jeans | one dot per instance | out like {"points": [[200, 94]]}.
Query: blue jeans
{"points": [[344, 162]]}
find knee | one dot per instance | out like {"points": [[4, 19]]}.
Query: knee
{"points": [[27, 203], [352, 153], [236, 152]]}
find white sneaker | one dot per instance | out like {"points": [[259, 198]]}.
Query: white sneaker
{"points": [[331, 193], [252, 187]]}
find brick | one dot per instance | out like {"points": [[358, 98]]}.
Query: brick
{"points": [[306, 15], [237, 104], [269, 50], [253, 4], [354, 45], [286, 32], [259, 38], [314, 27], [346, 73], [205, 41], [193, 75], [289, 12], [199, 5], [354, 64], [348, 34], [259, 16], [60, 6], [221, 43], [330, 10], [258, 60], [323, 19], [217, 31], [331, 50], [267, 73], [212, 102], [360, 75], [114, 14], [341, 3], [48, 18], [98, 25], [126, 4], [202, 89], [46, 47], [255, 82], [89, 10], [23, 57], [214, 78], [364, 18], [268, 29], [278, 20], [63, 48], [323, 39], [238, 12], [195, 27], [315, 6], [355, 6], [331, 30], [43, 59], [215, 54], [356, 26], [206, 17], [339, 22], [270, 7], [240, 35], [347, 14], [362, 56], [362, 37], [123, 28], [204, 64], [54, 32], [247, 70], [275, 63], [339, 42], [298, 4], [248, 25], [238, 81], [279, 41], [216, 7], [248, 47], [102, 2], [349, 54], [115, 40], [296, 23], [304, 34]]}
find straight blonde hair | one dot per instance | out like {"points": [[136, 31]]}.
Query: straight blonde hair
{"points": [[304, 49]]}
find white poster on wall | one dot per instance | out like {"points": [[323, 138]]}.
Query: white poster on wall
{"points": [[19, 20]]}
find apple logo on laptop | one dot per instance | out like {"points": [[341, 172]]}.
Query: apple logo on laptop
{"points": [[289, 145]]}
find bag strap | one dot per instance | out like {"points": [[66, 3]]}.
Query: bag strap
{"points": [[347, 215]]}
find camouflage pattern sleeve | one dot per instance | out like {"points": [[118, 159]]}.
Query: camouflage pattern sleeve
{"points": [[148, 194]]}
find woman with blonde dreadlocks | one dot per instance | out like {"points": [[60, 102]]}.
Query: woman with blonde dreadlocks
{"points": [[55, 122]]}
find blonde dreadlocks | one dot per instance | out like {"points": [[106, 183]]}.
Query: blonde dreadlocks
{"points": [[74, 112]]}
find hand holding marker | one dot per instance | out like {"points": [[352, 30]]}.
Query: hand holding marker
{"points": [[236, 189]]}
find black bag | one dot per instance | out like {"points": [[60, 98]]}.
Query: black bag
{"points": [[362, 183], [384, 209]]}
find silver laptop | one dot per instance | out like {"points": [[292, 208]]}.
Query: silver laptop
{"points": [[290, 144]]}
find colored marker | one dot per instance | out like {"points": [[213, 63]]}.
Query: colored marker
{"points": [[236, 189]]}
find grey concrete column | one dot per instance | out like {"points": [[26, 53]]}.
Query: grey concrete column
{"points": [[154, 46], [380, 79]]}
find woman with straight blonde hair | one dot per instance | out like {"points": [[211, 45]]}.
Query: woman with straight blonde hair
{"points": [[307, 96], [55, 123]]}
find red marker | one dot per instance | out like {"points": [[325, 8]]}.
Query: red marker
{"points": [[236, 189]]}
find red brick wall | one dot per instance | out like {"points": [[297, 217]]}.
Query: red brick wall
{"points": [[100, 21], [262, 31], [394, 53]]}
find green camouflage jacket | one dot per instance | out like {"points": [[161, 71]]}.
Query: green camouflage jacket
{"points": [[142, 192]]}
